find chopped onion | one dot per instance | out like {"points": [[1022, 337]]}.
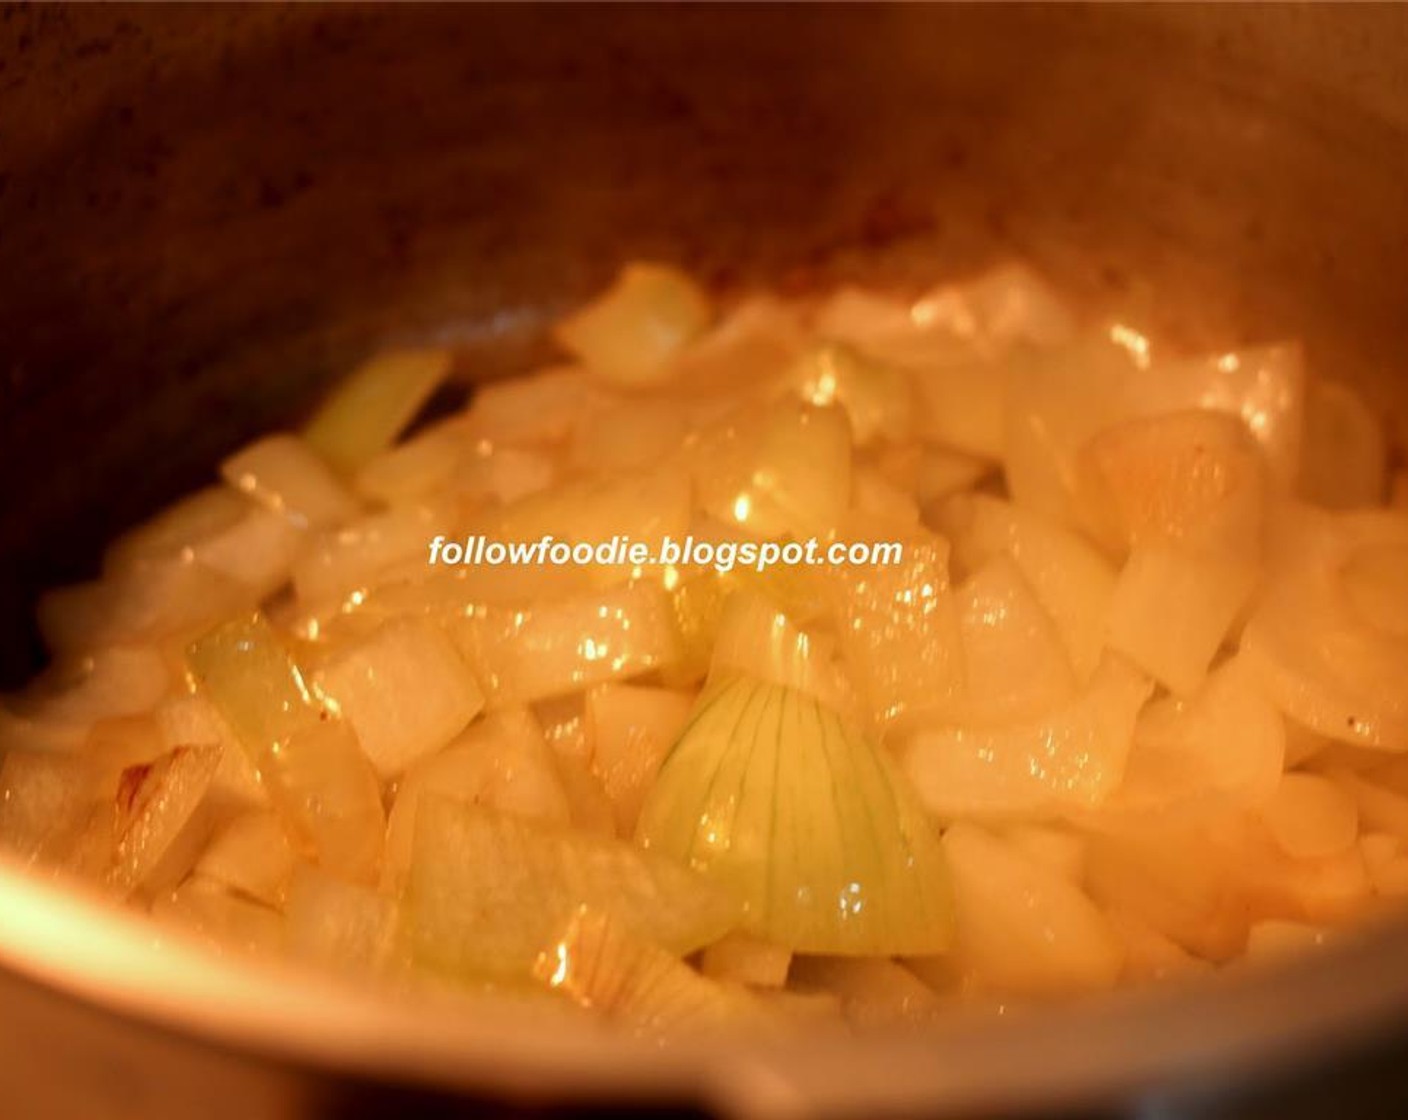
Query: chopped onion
{"points": [[251, 854], [598, 963], [1311, 816], [774, 797], [336, 923], [1070, 758], [1022, 928], [1222, 747], [757, 640], [191, 721], [182, 525], [307, 759], [521, 656], [154, 803], [877, 398], [413, 470], [1344, 464], [629, 334], [1317, 659], [784, 471], [1070, 579], [626, 434], [258, 552], [405, 691], [745, 355], [500, 762], [899, 633], [350, 558], [1193, 478], [117, 681], [631, 728], [741, 959], [138, 605], [1004, 304], [1174, 607], [874, 992], [1015, 666], [532, 411], [220, 917], [487, 892], [45, 799], [367, 411], [284, 475]]}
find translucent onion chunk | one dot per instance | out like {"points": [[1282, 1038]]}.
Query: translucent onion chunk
{"points": [[774, 797], [1072, 757], [487, 892], [1022, 928], [367, 411], [628, 335], [283, 474], [306, 758], [406, 692], [1322, 662], [600, 964]]}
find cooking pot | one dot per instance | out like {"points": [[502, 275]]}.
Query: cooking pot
{"points": [[206, 213]]}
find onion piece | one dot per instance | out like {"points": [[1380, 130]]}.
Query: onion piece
{"points": [[741, 959], [363, 551], [1021, 928], [1015, 665], [631, 728], [602, 966], [191, 721], [500, 762], [45, 799], [1193, 478], [1173, 608], [533, 411], [307, 760], [899, 633], [405, 691], [1310, 816], [774, 797], [138, 605], [366, 412], [1007, 303], [222, 918], [1344, 464], [116, 681], [182, 525], [628, 335], [784, 471], [521, 656], [487, 892], [877, 398], [154, 803], [1223, 747], [251, 854], [757, 640], [874, 992], [1070, 579], [336, 923], [1317, 659], [284, 475], [626, 434], [414, 469], [1070, 758]]}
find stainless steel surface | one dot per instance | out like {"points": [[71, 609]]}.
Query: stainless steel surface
{"points": [[203, 212]]}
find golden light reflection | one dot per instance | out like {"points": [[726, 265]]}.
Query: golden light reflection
{"points": [[1136, 344]]}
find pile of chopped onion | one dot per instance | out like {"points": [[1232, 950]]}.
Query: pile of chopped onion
{"points": [[1133, 703]]}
